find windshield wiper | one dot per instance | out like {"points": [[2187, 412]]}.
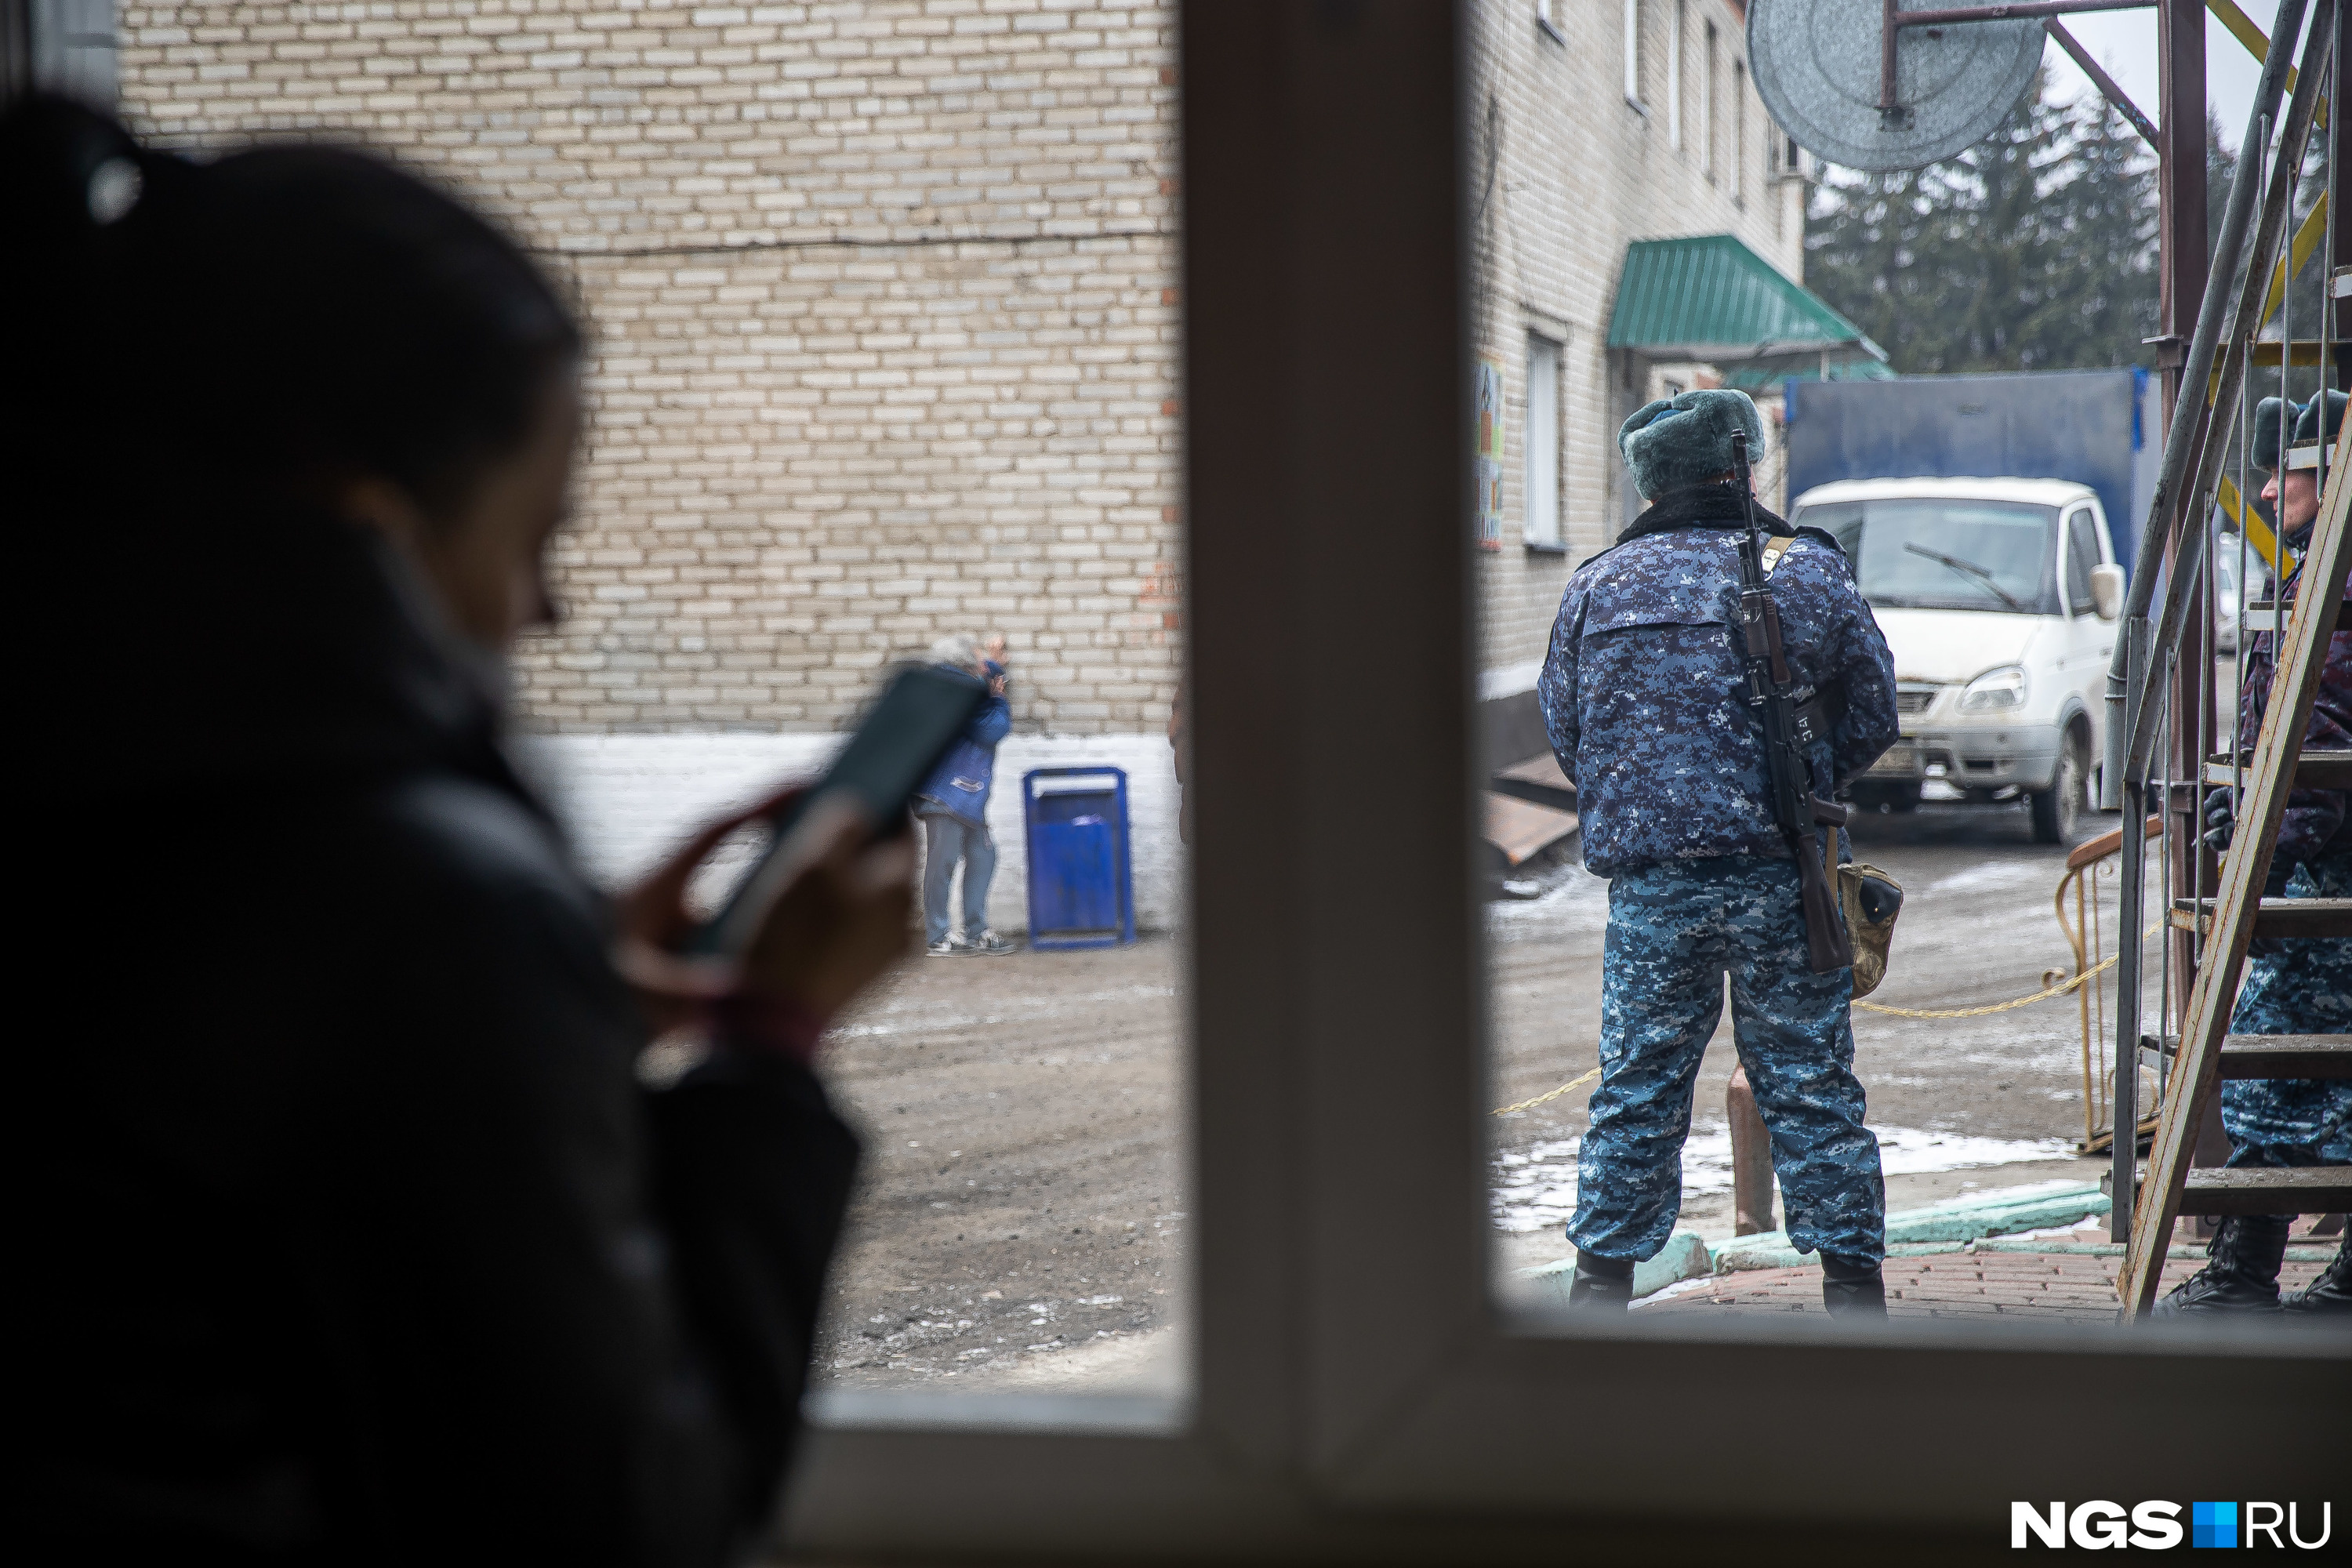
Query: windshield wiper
{"points": [[1983, 577]]}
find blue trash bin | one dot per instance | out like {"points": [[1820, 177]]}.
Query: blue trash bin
{"points": [[1081, 882]]}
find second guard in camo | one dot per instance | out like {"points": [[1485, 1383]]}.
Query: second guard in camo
{"points": [[2290, 987], [1646, 694]]}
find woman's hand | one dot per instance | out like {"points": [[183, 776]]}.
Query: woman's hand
{"points": [[835, 929]]}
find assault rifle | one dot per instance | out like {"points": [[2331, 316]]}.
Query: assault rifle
{"points": [[1793, 719]]}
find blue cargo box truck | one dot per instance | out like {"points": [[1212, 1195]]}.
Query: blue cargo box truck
{"points": [[1990, 521], [2096, 427]]}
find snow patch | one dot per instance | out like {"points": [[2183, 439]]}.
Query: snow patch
{"points": [[1535, 1189]]}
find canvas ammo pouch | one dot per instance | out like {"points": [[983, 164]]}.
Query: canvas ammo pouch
{"points": [[1870, 899]]}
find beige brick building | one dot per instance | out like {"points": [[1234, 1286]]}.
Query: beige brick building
{"points": [[885, 308], [885, 304], [1599, 122]]}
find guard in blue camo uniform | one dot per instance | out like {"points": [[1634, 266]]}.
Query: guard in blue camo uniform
{"points": [[2300, 987], [1642, 695]]}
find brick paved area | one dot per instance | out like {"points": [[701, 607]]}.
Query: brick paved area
{"points": [[2075, 1287]]}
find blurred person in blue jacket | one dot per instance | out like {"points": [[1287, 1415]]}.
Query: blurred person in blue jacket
{"points": [[953, 808], [1642, 694]]}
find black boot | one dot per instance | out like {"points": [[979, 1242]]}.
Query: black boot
{"points": [[1601, 1284], [1850, 1286], [2330, 1295], [2243, 1274]]}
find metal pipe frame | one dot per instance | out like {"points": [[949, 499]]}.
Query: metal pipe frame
{"points": [[1892, 20], [2109, 89], [2126, 754], [2167, 509]]}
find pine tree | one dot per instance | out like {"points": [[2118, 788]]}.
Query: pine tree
{"points": [[2034, 250]]}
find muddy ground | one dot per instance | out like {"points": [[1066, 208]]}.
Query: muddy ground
{"points": [[1021, 1218]]}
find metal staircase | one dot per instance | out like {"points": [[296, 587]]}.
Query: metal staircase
{"points": [[2168, 687]]}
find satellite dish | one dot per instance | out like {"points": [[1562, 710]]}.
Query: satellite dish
{"points": [[1817, 67]]}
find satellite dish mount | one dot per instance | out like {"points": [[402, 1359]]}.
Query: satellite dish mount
{"points": [[1894, 20], [1898, 84]]}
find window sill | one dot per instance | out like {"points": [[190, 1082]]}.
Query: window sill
{"points": [[1543, 547]]}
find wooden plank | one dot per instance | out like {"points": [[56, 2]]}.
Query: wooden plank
{"points": [[2287, 1056], [2294, 689], [2313, 770], [2265, 1055], [2293, 920], [2305, 1189], [1521, 829], [1539, 779]]}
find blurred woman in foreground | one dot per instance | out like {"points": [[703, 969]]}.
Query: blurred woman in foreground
{"points": [[353, 1236]]}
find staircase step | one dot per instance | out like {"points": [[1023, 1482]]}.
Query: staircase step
{"points": [[2267, 1055], [2291, 917], [2313, 769], [2307, 1189]]}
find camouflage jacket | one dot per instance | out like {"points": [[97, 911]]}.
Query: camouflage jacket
{"points": [[1642, 690], [2314, 821]]}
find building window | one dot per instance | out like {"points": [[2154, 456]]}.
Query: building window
{"points": [[1674, 76], [1633, 55], [1542, 515], [1706, 108], [1738, 131]]}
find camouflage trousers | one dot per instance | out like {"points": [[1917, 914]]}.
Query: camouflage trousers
{"points": [[1675, 929], [2305, 989]]}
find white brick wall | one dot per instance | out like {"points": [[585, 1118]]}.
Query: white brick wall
{"points": [[629, 799]]}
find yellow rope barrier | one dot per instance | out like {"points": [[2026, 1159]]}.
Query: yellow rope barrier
{"points": [[2044, 995], [1576, 1082]]}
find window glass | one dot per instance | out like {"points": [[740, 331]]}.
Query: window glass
{"points": [[2082, 556], [851, 403], [1543, 440], [1633, 51], [1933, 553]]}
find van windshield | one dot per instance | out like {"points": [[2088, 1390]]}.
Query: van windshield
{"points": [[1945, 552]]}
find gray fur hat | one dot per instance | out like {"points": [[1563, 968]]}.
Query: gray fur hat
{"points": [[1678, 442], [2306, 433]]}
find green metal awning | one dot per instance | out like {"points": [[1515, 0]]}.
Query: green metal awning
{"points": [[1709, 298]]}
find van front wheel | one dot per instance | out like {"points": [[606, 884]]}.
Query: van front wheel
{"points": [[2057, 810]]}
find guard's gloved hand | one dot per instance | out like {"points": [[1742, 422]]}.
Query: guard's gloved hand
{"points": [[2221, 819]]}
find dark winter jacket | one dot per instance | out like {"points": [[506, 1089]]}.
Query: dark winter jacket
{"points": [[346, 1232], [2314, 823], [960, 785], [1641, 691]]}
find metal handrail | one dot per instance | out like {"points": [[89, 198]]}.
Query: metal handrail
{"points": [[2208, 428], [2085, 933]]}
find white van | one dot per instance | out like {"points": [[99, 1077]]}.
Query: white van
{"points": [[1999, 598]]}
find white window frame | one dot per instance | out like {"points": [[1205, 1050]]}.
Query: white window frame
{"points": [[1539, 492], [1358, 1393], [1633, 55]]}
